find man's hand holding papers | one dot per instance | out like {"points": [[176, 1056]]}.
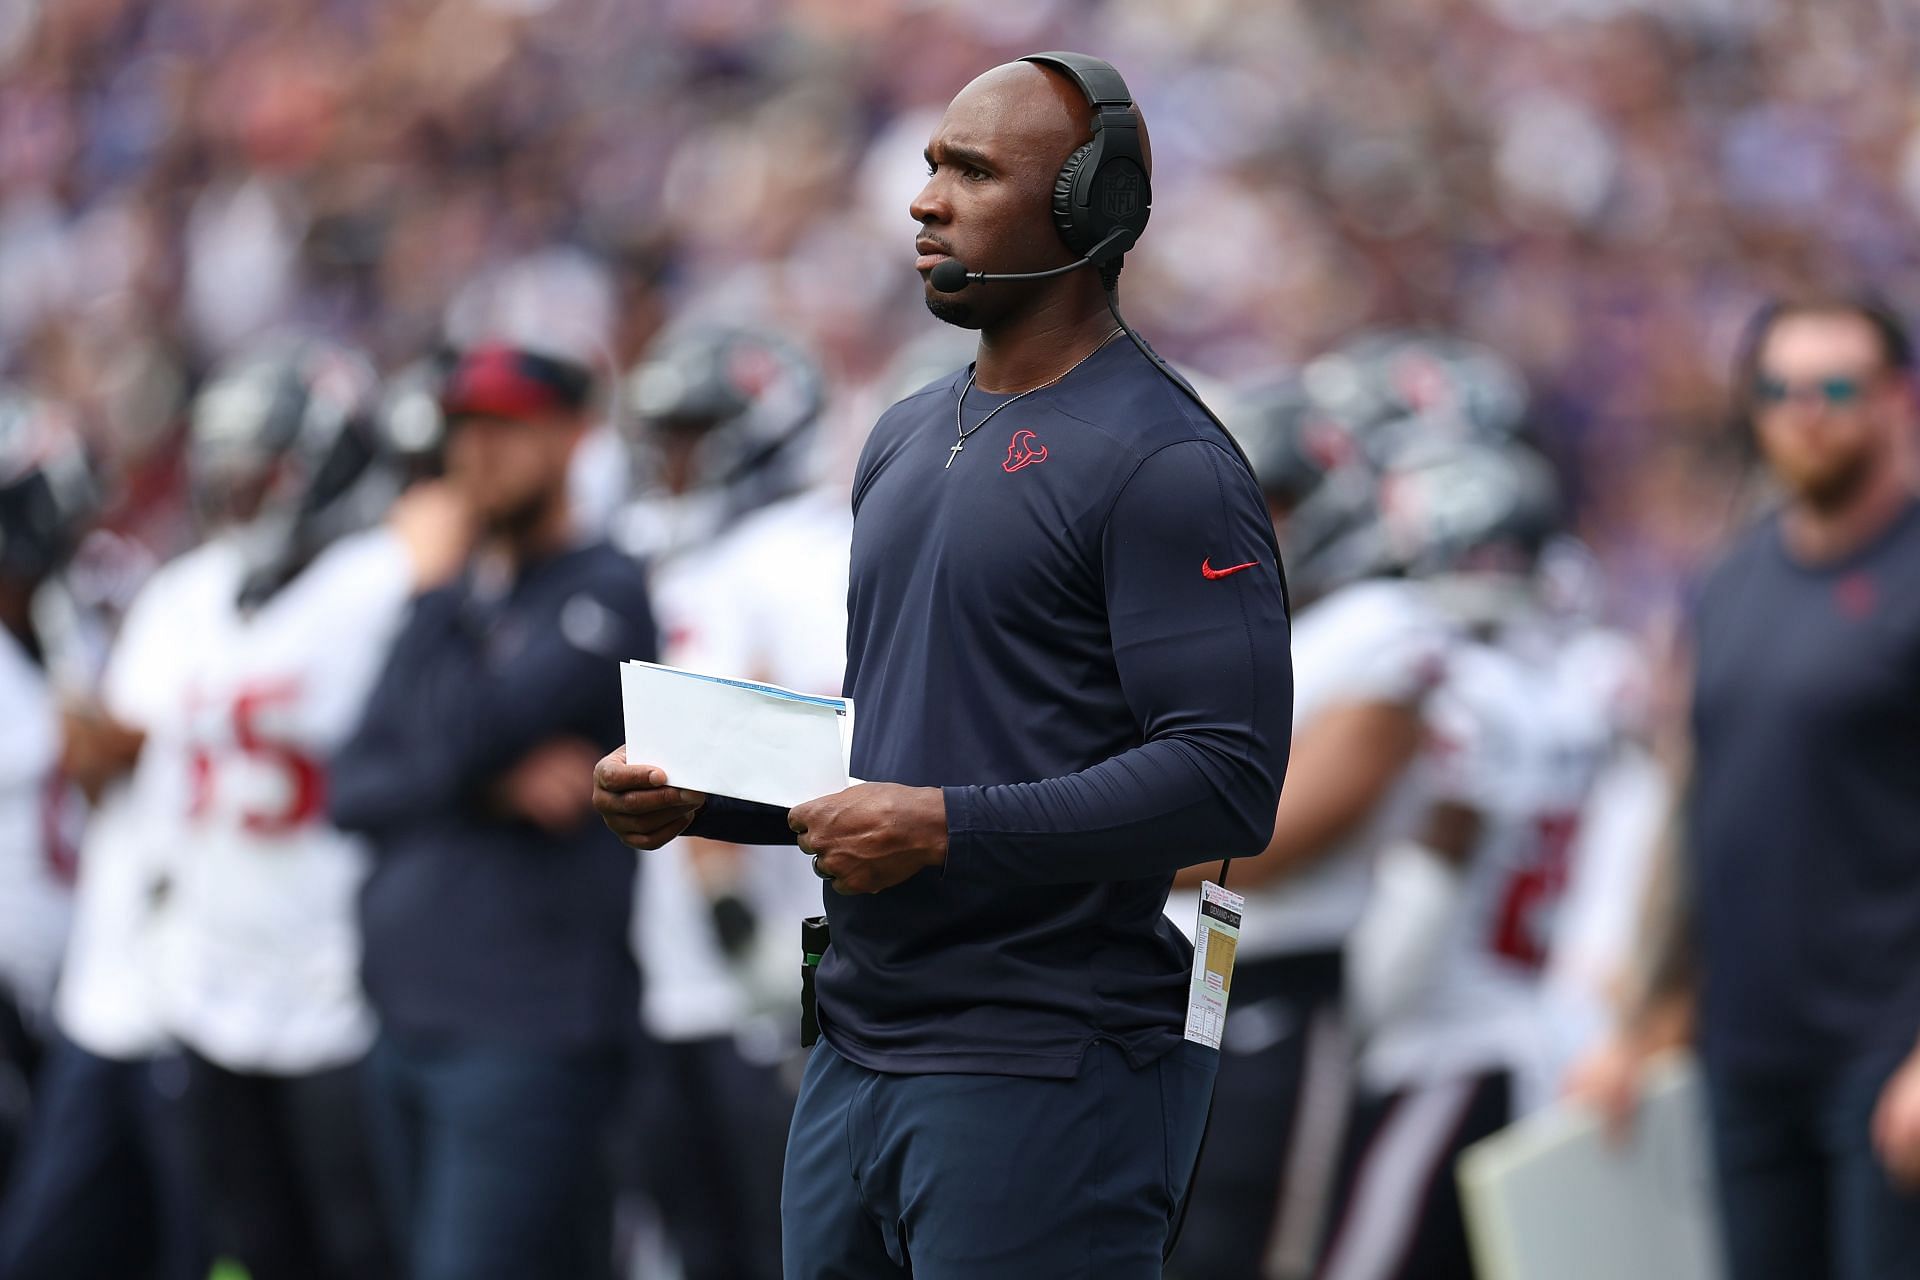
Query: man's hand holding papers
{"points": [[637, 804], [771, 747]]}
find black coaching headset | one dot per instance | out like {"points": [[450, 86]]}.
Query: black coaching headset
{"points": [[1103, 196]]}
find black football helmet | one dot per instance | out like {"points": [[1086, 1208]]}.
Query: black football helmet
{"points": [[1291, 441], [721, 422], [1317, 481], [1451, 507], [48, 491], [284, 446], [1393, 388]]}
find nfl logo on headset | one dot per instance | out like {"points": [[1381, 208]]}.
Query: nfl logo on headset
{"points": [[1120, 193]]}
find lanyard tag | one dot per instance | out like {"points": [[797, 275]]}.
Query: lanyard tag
{"points": [[1216, 936]]}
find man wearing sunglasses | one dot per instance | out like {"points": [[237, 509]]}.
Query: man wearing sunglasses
{"points": [[1792, 958]]}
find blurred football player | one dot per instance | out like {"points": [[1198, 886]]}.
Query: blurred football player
{"points": [[749, 577], [46, 494], [1446, 965], [718, 924], [103, 1186], [1367, 652], [283, 619]]}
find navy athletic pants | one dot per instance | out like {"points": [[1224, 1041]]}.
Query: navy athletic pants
{"points": [[954, 1177], [1803, 1195], [104, 1187], [494, 1156]]}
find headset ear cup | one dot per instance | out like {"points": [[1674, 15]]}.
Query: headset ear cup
{"points": [[1078, 237]]}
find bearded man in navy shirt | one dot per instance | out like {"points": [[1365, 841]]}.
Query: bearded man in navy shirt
{"points": [[1785, 946], [1068, 641]]}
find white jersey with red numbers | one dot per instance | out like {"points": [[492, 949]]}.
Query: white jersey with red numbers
{"points": [[36, 853], [1372, 642], [262, 955], [108, 1002], [768, 601], [1516, 736]]}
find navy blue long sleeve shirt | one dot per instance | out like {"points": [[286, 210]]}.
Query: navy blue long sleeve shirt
{"points": [[475, 924], [1078, 631]]}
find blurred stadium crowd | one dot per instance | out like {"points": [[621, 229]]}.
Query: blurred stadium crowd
{"points": [[701, 205]]}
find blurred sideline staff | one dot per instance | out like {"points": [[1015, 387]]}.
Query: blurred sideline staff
{"points": [[1786, 948], [495, 919]]}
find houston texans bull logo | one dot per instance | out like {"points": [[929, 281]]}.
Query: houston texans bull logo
{"points": [[1023, 452]]}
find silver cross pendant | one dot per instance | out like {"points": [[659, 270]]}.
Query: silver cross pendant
{"points": [[954, 452]]}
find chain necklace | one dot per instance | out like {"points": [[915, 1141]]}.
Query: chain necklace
{"points": [[959, 408]]}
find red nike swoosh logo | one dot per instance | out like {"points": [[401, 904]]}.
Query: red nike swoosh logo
{"points": [[1208, 571]]}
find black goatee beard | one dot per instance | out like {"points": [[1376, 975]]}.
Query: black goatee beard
{"points": [[952, 311]]}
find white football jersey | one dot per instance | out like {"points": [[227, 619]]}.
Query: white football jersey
{"points": [[108, 1001], [262, 955], [1519, 737], [36, 853], [768, 601], [1371, 642]]}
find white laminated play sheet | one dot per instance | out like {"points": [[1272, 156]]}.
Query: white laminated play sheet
{"points": [[737, 738]]}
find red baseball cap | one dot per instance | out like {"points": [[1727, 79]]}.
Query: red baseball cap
{"points": [[499, 381]]}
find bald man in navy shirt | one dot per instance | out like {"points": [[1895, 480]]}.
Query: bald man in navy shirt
{"points": [[1068, 639]]}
